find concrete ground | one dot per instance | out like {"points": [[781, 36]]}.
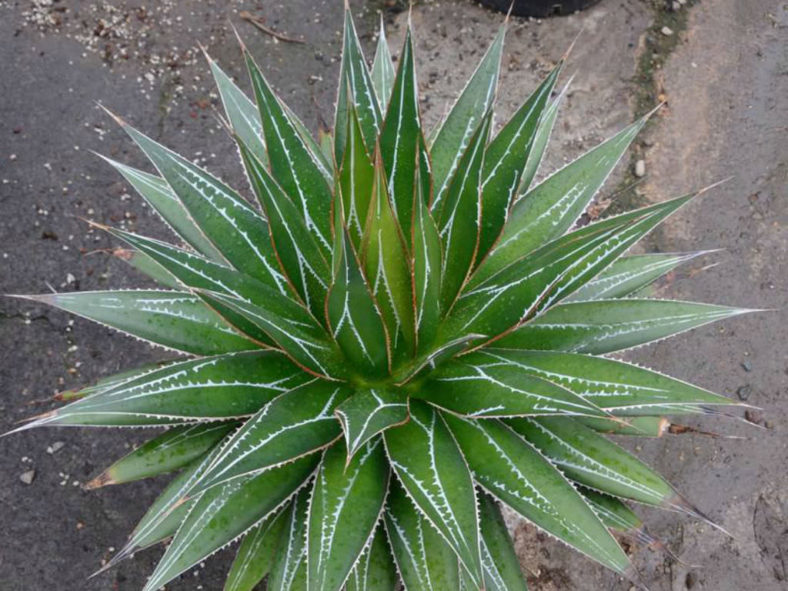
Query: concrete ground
{"points": [[723, 70]]}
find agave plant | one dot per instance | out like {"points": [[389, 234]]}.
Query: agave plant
{"points": [[398, 334]]}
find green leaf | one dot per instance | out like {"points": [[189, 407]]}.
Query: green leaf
{"points": [[256, 554], [356, 180], [614, 386], [173, 449], [353, 315], [385, 259], [424, 560], [306, 343], [221, 515], [165, 514], [158, 194], [298, 253], [613, 512], [237, 231], [171, 319], [293, 164], [289, 571], [368, 412], [347, 501], [501, 565], [605, 326], [401, 136], [537, 281], [459, 216], [465, 117], [426, 275], [431, 467], [374, 570], [382, 68], [591, 459], [355, 77], [241, 111], [195, 272], [506, 158], [294, 424], [552, 207], [207, 389], [430, 360], [513, 471], [543, 132], [637, 426], [482, 385], [147, 266], [630, 274]]}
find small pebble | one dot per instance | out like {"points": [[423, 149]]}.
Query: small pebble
{"points": [[667, 31], [640, 168], [690, 580], [55, 447], [744, 392], [746, 365], [753, 416], [28, 477]]}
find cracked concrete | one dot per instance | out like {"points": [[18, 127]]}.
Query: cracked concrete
{"points": [[725, 84]]}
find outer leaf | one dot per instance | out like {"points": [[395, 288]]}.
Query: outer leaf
{"points": [[304, 342], [296, 423], [173, 449], [167, 512], [356, 179], [629, 275], [460, 216], [375, 570], [424, 560], [289, 571], [506, 158], [514, 472], [172, 319], [543, 133], [482, 385], [594, 461], [614, 513], [294, 166], [353, 316], [209, 389], [256, 554], [158, 194], [433, 471], [466, 115], [196, 272], [401, 137], [346, 503], [614, 386], [426, 275], [355, 76], [638, 426], [552, 207], [221, 515], [368, 412], [299, 254], [605, 326], [537, 281], [237, 231], [501, 566], [242, 112], [147, 266], [386, 265], [382, 68]]}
